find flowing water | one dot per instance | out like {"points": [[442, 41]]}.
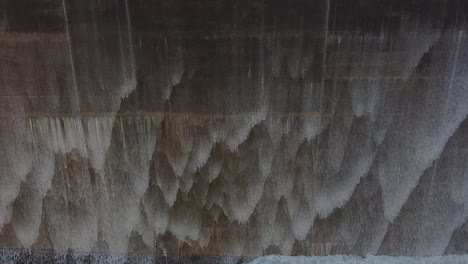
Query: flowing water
{"points": [[235, 128]]}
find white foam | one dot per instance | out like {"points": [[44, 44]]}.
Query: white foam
{"points": [[361, 260]]}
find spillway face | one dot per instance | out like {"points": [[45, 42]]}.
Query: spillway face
{"points": [[234, 128]]}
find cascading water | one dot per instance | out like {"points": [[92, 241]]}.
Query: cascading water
{"points": [[233, 128]]}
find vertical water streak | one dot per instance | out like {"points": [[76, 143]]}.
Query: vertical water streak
{"points": [[262, 63], [322, 84], [455, 58], [72, 60], [130, 43]]}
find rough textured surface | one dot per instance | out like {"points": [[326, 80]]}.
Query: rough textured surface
{"points": [[234, 127], [28, 256]]}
